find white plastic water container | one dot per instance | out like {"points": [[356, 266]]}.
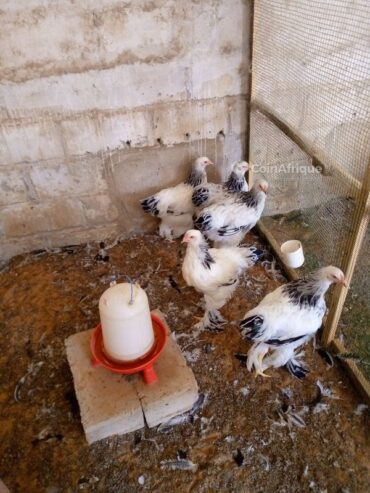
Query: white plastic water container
{"points": [[292, 253], [126, 322]]}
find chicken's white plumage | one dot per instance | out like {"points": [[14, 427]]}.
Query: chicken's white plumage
{"points": [[222, 265], [286, 319], [215, 273], [211, 193], [175, 210], [173, 206], [226, 222]]}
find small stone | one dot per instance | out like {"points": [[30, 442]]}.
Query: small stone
{"points": [[245, 391], [141, 480], [238, 458]]}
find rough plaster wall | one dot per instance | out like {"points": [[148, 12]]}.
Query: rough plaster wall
{"points": [[102, 102]]}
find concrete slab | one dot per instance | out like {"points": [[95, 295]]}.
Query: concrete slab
{"points": [[109, 403], [3, 488], [112, 404], [176, 390]]}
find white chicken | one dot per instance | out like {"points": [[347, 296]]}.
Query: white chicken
{"points": [[215, 273], [173, 205], [286, 319], [205, 195], [227, 222]]}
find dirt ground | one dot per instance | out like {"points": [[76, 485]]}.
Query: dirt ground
{"points": [[248, 435]]}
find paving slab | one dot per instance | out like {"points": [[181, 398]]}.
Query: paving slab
{"points": [[113, 404], [176, 390], [3, 488], [109, 403]]}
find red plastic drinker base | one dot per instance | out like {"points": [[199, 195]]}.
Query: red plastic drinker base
{"points": [[144, 365]]}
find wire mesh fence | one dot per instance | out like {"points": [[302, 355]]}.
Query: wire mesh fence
{"points": [[353, 327], [310, 136]]}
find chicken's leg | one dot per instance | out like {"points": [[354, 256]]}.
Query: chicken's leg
{"points": [[258, 370], [214, 321], [285, 356], [255, 357], [165, 231]]}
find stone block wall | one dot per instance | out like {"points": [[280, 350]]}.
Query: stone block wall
{"points": [[103, 102]]}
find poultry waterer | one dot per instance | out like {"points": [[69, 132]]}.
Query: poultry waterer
{"points": [[144, 365]]}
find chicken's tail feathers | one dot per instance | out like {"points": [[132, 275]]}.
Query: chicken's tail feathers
{"points": [[253, 253], [203, 222], [150, 205], [249, 255], [297, 369], [231, 230], [251, 327], [200, 196]]}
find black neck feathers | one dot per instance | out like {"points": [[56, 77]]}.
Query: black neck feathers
{"points": [[195, 178], [304, 292], [250, 199], [234, 183], [206, 257]]}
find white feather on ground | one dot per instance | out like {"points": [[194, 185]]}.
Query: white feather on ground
{"points": [[173, 205], [215, 273], [227, 222], [286, 319]]}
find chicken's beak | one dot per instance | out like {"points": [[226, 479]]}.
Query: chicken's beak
{"points": [[210, 162], [344, 282], [185, 239]]}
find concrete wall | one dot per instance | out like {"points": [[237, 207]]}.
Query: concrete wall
{"points": [[103, 102]]}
